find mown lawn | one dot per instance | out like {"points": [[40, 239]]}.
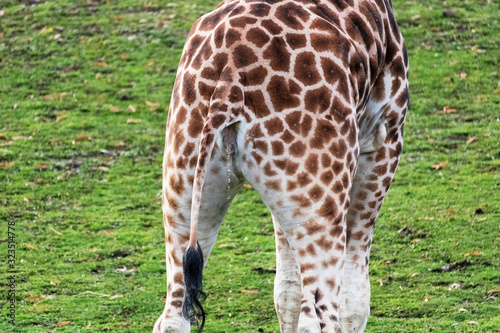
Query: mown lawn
{"points": [[84, 93]]}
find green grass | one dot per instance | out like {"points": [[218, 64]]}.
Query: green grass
{"points": [[81, 182]]}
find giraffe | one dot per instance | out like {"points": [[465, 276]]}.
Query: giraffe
{"points": [[305, 100]]}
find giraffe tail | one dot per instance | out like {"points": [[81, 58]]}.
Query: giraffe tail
{"points": [[217, 125], [192, 262]]}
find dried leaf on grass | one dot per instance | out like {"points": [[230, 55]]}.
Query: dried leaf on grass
{"points": [[493, 291], [440, 165], [106, 233], [250, 291], [447, 109], [475, 253], [54, 230], [83, 137], [471, 140], [6, 164], [124, 269], [92, 293], [152, 106], [63, 323], [29, 246]]}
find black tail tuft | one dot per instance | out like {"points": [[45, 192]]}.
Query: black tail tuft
{"points": [[192, 264]]}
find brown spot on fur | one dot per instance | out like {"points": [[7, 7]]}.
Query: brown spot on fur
{"points": [[274, 126], [214, 73], [254, 100], [306, 267], [296, 41], [312, 164], [290, 13], [318, 100], [177, 183], [323, 134], [257, 157], [339, 149], [272, 27], [243, 56], [357, 235], [278, 148], [324, 244], [329, 209], [188, 88], [338, 187], [311, 250], [287, 136], [232, 36], [326, 177], [257, 36], [312, 227], [290, 185], [305, 68], [261, 145], [273, 185], [241, 22], [253, 77], [179, 278], [304, 179], [268, 171], [297, 149], [280, 94], [316, 193], [336, 231], [260, 9], [330, 283], [178, 293], [302, 200]]}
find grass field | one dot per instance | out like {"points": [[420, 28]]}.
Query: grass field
{"points": [[84, 92]]}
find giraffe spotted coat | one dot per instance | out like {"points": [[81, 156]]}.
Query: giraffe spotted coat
{"points": [[305, 100]]}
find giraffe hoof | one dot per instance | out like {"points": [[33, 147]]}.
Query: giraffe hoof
{"points": [[169, 325]]}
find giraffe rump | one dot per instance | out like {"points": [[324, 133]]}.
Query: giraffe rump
{"points": [[192, 265]]}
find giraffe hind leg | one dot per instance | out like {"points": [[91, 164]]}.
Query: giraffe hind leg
{"points": [[287, 287], [377, 164]]}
